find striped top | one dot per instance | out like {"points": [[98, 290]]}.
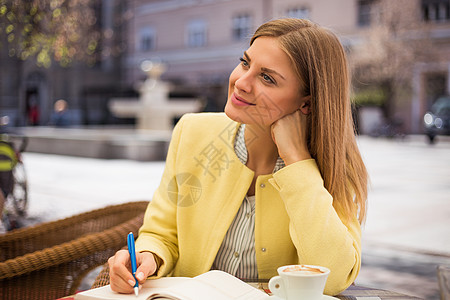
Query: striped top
{"points": [[237, 254]]}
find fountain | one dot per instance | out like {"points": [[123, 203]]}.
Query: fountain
{"points": [[153, 110]]}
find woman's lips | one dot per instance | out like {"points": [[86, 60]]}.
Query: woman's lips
{"points": [[239, 101]]}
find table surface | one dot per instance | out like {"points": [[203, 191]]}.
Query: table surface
{"points": [[355, 292]]}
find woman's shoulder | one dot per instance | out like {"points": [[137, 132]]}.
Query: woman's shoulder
{"points": [[206, 127], [206, 120], [205, 116]]}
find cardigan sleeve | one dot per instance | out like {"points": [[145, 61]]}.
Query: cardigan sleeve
{"points": [[158, 233], [320, 236]]}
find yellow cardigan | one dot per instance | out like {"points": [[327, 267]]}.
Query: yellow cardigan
{"points": [[202, 188]]}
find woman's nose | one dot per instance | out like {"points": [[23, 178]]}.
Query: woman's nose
{"points": [[244, 83]]}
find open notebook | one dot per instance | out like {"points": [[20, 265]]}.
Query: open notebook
{"points": [[215, 285]]}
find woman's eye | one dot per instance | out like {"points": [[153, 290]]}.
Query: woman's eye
{"points": [[267, 78], [243, 62]]}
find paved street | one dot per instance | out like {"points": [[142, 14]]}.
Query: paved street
{"points": [[407, 233], [408, 227]]}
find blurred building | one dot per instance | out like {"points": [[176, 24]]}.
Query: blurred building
{"points": [[202, 40], [399, 52], [28, 92], [404, 51]]}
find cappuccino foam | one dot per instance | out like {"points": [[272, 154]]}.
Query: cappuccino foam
{"points": [[302, 269]]}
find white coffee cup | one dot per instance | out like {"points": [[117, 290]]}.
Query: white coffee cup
{"points": [[299, 282]]}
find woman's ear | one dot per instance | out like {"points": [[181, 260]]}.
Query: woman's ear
{"points": [[305, 106]]}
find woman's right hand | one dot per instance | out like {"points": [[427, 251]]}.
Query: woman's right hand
{"points": [[121, 278], [290, 135]]}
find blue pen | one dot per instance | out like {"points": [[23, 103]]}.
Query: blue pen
{"points": [[132, 251]]}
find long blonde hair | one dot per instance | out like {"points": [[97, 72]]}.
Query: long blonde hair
{"points": [[321, 64]]}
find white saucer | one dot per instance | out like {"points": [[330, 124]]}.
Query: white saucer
{"points": [[324, 297]]}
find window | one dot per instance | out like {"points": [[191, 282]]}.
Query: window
{"points": [[436, 10], [242, 27], [196, 33], [364, 12], [146, 39], [299, 13]]}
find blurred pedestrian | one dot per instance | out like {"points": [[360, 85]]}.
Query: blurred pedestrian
{"points": [[2, 204], [7, 163], [33, 112], [60, 116], [276, 180]]}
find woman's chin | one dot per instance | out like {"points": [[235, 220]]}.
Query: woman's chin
{"points": [[234, 114], [229, 111]]}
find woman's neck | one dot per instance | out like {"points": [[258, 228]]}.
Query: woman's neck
{"points": [[261, 149]]}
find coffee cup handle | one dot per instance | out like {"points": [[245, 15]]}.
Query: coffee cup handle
{"points": [[276, 286]]}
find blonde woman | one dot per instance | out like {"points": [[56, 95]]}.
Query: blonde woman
{"points": [[276, 180]]}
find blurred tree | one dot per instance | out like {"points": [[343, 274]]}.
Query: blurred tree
{"points": [[63, 31], [394, 42]]}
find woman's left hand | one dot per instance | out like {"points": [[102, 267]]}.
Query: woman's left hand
{"points": [[290, 135]]}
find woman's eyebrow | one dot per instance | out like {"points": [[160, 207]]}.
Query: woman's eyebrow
{"points": [[247, 57], [267, 70]]}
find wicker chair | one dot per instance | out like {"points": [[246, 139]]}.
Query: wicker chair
{"points": [[49, 261]]}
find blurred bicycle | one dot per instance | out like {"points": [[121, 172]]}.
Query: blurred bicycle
{"points": [[13, 178]]}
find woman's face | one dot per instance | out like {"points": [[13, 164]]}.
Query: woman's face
{"points": [[264, 86]]}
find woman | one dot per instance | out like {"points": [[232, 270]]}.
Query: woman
{"points": [[276, 180]]}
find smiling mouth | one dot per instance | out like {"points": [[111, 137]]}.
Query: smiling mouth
{"points": [[239, 101]]}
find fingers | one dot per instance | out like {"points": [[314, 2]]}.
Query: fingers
{"points": [[290, 135], [121, 278], [292, 123], [146, 266]]}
